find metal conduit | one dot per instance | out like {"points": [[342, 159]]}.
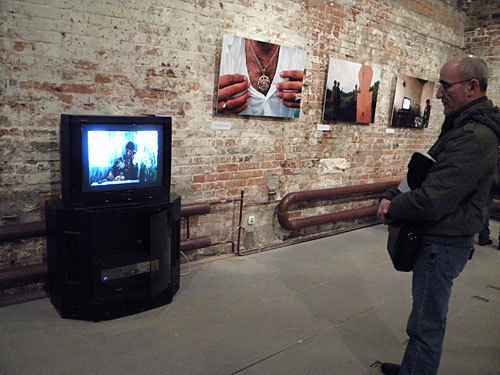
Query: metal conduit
{"points": [[202, 209], [22, 231], [195, 243], [339, 192], [195, 209], [23, 275]]}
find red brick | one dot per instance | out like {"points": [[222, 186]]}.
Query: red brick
{"points": [[227, 168], [150, 94], [102, 78], [19, 46], [76, 89], [68, 99]]}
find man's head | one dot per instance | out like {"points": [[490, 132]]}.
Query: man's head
{"points": [[129, 150], [461, 81]]}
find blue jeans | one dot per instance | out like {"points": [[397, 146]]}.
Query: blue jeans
{"points": [[433, 273]]}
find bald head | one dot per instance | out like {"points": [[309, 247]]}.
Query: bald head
{"points": [[462, 80], [470, 67]]}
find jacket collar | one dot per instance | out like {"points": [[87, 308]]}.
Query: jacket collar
{"points": [[449, 121]]}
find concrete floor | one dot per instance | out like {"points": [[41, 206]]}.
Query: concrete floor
{"points": [[330, 306]]}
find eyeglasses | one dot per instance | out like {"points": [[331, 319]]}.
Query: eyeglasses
{"points": [[447, 85]]}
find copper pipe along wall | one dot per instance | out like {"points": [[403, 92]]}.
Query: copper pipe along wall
{"points": [[242, 193], [202, 209], [23, 274], [346, 191], [195, 209], [195, 243], [22, 231]]}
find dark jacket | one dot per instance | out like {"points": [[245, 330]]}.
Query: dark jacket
{"points": [[450, 199]]}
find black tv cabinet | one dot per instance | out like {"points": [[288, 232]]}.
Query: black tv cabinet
{"points": [[108, 262]]}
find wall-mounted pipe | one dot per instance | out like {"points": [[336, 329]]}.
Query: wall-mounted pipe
{"points": [[201, 242], [203, 209], [195, 243], [293, 198], [13, 232], [195, 209], [23, 275]]}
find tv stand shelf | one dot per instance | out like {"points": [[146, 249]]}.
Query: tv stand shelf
{"points": [[106, 262]]}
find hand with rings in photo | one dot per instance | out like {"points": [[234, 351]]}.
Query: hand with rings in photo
{"points": [[233, 93], [291, 91]]}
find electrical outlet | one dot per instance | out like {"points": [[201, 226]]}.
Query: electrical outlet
{"points": [[251, 219]]}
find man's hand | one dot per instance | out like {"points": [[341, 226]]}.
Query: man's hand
{"points": [[233, 93], [291, 97], [383, 209]]}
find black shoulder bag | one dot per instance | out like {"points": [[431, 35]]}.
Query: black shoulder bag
{"points": [[404, 239], [402, 244]]}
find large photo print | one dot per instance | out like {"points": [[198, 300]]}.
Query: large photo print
{"points": [[259, 79], [412, 102], [351, 92]]}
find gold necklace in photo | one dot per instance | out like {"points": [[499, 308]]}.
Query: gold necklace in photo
{"points": [[264, 82]]}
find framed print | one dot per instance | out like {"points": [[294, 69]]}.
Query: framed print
{"points": [[412, 102], [351, 92], [259, 79]]}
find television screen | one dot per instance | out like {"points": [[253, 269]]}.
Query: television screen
{"points": [[406, 103], [121, 159], [114, 159]]}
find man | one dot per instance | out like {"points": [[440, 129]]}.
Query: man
{"points": [[124, 167], [427, 114], [448, 204]]}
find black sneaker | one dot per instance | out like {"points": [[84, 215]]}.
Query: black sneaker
{"points": [[485, 242], [390, 368]]}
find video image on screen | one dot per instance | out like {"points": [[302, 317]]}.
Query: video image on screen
{"points": [[117, 157]]}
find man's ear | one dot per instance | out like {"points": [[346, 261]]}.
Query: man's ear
{"points": [[474, 88]]}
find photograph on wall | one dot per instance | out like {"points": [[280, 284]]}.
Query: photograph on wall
{"points": [[412, 102], [259, 79], [351, 92]]}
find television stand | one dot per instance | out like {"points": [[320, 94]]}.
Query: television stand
{"points": [[403, 119], [107, 262]]}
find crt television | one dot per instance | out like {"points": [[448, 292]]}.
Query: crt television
{"points": [[406, 103], [114, 159]]}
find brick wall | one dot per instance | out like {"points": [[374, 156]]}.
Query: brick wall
{"points": [[482, 38], [161, 57]]}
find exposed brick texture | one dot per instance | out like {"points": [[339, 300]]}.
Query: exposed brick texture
{"points": [[161, 57], [482, 38]]}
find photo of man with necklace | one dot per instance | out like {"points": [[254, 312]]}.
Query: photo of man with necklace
{"points": [[259, 79]]}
